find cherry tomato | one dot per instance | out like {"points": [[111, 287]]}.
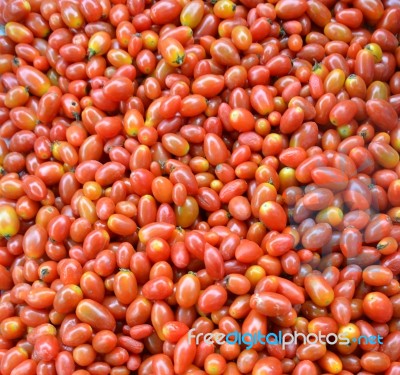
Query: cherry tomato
{"points": [[387, 120], [287, 9], [212, 298], [318, 289], [270, 304], [125, 286], [172, 51], [96, 315], [377, 307], [37, 82], [9, 221], [273, 216], [187, 291]]}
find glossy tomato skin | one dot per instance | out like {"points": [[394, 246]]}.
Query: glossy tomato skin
{"points": [[184, 353], [331, 178], [371, 303], [225, 52], [270, 304], [384, 122], [36, 81], [12, 358], [10, 223], [273, 216], [364, 66], [212, 299], [172, 51], [158, 288], [125, 287], [319, 290], [351, 242]]}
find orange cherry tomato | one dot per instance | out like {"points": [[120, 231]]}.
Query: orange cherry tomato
{"points": [[273, 216], [9, 221], [172, 51], [319, 290], [37, 82]]}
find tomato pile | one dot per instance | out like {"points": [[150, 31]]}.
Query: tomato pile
{"points": [[223, 166]]}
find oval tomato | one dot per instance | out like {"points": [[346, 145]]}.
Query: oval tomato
{"points": [[36, 81], [95, 314], [9, 222], [172, 51]]}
